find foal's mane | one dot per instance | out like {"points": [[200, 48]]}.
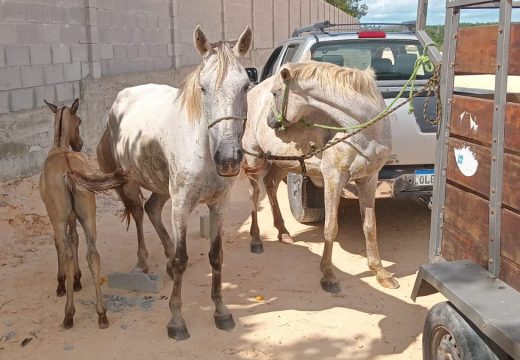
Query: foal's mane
{"points": [[190, 92], [341, 79]]}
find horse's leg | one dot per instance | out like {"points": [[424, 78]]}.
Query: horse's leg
{"points": [[85, 209], [256, 245], [179, 261], [223, 318], [74, 240], [271, 181], [131, 197], [334, 183], [367, 194], [153, 208]]}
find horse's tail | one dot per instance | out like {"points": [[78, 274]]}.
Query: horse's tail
{"points": [[80, 180]]}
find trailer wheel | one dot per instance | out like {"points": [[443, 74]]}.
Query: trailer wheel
{"points": [[449, 336], [305, 199]]}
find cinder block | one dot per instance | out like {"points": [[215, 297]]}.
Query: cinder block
{"points": [[130, 21], [69, 34], [104, 17], [135, 280], [17, 55], [28, 33], [2, 56], [44, 92], [72, 71], [162, 63], [58, 14], [142, 21], [131, 51], [64, 92], [22, 99], [40, 54], [37, 13], [10, 78], [13, 11], [142, 51], [4, 102], [53, 74], [32, 76], [77, 15], [85, 70], [77, 90], [51, 33], [107, 51], [60, 54], [8, 34], [120, 51], [79, 52]]}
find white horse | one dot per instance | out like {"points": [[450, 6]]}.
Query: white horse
{"points": [[182, 144], [329, 95]]}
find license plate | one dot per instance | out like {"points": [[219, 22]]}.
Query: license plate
{"points": [[424, 177]]}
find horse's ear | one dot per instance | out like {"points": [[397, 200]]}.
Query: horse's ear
{"points": [[75, 105], [244, 42], [286, 74], [53, 107], [201, 42], [307, 56]]}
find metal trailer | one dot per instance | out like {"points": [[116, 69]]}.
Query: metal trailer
{"points": [[475, 229]]}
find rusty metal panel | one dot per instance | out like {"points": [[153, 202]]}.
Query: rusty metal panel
{"points": [[472, 118], [510, 242], [457, 245], [482, 59], [467, 212], [510, 181], [512, 127]]}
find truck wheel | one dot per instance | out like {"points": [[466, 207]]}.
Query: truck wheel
{"points": [[448, 335], [305, 199]]}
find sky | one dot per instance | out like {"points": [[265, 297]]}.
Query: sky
{"points": [[406, 10]]}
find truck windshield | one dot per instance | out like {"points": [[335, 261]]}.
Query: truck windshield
{"points": [[391, 59]]}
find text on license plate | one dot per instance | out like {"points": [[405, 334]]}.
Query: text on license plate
{"points": [[424, 177]]}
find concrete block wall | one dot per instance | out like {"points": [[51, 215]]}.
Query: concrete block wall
{"points": [[43, 46], [91, 49]]}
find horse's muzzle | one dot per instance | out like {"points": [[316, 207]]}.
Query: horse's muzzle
{"points": [[229, 166], [273, 123]]}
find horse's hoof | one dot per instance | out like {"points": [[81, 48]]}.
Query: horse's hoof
{"points": [[178, 333], [103, 321], [286, 239], [330, 287], [60, 290], [77, 285], [68, 322], [224, 322], [257, 248], [389, 283]]}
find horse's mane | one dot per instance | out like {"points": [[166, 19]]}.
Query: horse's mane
{"points": [[341, 79], [190, 92]]}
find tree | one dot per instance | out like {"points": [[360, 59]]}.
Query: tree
{"points": [[352, 7]]}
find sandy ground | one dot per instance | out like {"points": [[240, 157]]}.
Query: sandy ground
{"points": [[297, 320]]}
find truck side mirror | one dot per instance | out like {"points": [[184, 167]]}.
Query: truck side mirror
{"points": [[253, 74]]}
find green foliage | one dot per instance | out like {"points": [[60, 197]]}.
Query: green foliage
{"points": [[352, 7]]}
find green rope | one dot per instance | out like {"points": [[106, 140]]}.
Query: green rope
{"points": [[423, 60]]}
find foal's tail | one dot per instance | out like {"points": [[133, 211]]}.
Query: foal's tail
{"points": [[96, 182]]}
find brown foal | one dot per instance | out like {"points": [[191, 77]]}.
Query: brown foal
{"points": [[64, 185]]}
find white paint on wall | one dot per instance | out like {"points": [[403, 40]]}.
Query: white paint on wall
{"points": [[466, 161]]}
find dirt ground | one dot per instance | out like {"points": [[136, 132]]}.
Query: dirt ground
{"points": [[296, 319]]}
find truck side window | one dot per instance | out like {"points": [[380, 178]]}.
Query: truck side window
{"points": [[289, 53], [269, 65]]}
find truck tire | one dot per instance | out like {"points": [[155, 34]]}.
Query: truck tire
{"points": [[305, 199], [449, 335]]}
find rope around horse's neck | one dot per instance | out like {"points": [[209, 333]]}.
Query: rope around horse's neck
{"points": [[423, 60]]}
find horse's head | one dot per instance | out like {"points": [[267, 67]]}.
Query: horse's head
{"points": [[223, 84], [289, 100], [66, 125]]}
